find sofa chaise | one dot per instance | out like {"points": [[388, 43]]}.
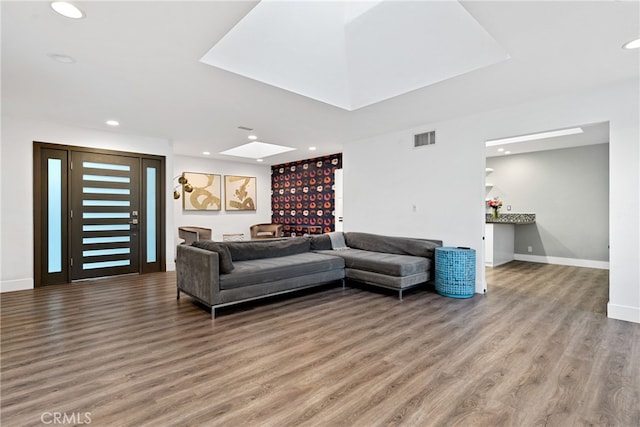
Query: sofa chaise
{"points": [[219, 274], [396, 263]]}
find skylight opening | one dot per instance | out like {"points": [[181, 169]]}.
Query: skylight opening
{"points": [[257, 150], [533, 136]]}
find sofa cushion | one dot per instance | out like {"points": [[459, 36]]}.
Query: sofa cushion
{"points": [[390, 244], [224, 256], [386, 281], [242, 251], [320, 242], [265, 270], [383, 263]]}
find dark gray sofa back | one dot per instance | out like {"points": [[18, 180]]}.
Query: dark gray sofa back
{"points": [[320, 242], [257, 249], [390, 244]]}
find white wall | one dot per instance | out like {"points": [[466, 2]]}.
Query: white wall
{"points": [[16, 176], [222, 222], [385, 177]]}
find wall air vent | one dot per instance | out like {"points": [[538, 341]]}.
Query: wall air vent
{"points": [[423, 139]]}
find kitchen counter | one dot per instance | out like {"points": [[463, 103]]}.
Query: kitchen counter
{"points": [[500, 235], [511, 218]]}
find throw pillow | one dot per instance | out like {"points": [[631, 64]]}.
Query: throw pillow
{"points": [[337, 241], [224, 255]]}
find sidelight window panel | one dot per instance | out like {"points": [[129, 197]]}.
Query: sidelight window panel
{"points": [[54, 215], [151, 215]]}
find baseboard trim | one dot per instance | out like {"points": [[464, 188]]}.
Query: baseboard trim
{"points": [[623, 312], [16, 285], [574, 262]]}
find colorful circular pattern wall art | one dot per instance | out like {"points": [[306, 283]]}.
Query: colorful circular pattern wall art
{"points": [[302, 195]]}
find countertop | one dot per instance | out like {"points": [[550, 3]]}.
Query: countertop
{"points": [[511, 218]]}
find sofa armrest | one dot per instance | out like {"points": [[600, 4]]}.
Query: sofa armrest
{"points": [[198, 273], [438, 242]]}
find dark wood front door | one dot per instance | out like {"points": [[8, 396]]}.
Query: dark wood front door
{"points": [[105, 206]]}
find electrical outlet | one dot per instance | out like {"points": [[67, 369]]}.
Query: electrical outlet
{"points": [[529, 249]]}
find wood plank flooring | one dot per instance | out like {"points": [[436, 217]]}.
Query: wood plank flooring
{"points": [[537, 350]]}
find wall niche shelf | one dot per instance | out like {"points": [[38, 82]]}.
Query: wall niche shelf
{"points": [[487, 171]]}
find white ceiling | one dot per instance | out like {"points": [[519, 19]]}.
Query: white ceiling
{"points": [[138, 62], [348, 61]]}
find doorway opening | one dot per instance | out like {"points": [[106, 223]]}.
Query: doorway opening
{"points": [[554, 194]]}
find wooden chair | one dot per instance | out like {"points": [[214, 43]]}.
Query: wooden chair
{"points": [[191, 234], [266, 231]]}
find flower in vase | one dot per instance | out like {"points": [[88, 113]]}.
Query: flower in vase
{"points": [[495, 204]]}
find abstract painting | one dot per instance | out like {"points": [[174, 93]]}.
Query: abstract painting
{"points": [[206, 192], [240, 193]]}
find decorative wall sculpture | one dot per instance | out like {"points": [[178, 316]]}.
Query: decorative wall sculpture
{"points": [[239, 193], [302, 195], [205, 195]]}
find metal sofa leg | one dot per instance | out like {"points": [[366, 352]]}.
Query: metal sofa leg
{"points": [[213, 313], [400, 295], [343, 285]]}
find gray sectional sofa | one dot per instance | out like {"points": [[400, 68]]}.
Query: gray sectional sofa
{"points": [[219, 274]]}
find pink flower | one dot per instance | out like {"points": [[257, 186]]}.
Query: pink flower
{"points": [[495, 203]]}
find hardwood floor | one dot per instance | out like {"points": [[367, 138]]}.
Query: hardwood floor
{"points": [[537, 350]]}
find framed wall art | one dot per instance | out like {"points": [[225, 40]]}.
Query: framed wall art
{"points": [[239, 193], [205, 194]]}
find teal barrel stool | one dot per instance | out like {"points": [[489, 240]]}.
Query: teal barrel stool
{"points": [[455, 272]]}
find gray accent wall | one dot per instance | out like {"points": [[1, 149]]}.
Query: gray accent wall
{"points": [[567, 189]]}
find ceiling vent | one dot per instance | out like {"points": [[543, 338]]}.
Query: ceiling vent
{"points": [[423, 139]]}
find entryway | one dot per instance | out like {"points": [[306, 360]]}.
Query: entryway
{"points": [[97, 213]]}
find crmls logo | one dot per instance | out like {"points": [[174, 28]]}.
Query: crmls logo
{"points": [[75, 418]]}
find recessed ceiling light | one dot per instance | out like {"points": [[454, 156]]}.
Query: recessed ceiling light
{"points": [[534, 136], [312, 148], [259, 160], [64, 59], [67, 9], [253, 137], [113, 123], [206, 153], [507, 152], [500, 150], [633, 44]]}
